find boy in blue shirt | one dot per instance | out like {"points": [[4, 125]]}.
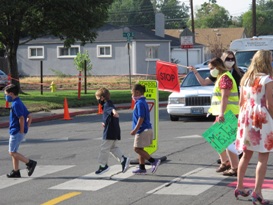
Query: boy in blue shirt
{"points": [[20, 120], [142, 130], [111, 133]]}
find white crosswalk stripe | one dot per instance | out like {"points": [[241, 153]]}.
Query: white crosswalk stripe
{"points": [[189, 137], [40, 171], [191, 183], [94, 182]]}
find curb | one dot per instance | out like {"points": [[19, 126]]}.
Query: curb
{"points": [[4, 124]]}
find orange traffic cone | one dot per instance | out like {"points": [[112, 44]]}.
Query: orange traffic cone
{"points": [[66, 112], [7, 104], [132, 104], [99, 109]]}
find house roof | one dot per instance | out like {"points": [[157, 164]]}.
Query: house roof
{"points": [[208, 36], [111, 33]]}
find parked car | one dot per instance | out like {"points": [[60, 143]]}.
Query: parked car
{"points": [[193, 99], [202, 65], [3, 79]]}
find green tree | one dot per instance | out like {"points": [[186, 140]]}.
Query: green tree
{"points": [[79, 61], [143, 14], [119, 12], [211, 15], [236, 21], [176, 13], [71, 21], [247, 22], [264, 19], [132, 13]]}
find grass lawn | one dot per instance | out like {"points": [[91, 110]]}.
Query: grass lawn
{"points": [[67, 88]]}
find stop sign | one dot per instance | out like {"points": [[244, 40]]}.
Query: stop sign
{"points": [[167, 76]]}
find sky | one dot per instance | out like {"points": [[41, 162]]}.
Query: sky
{"points": [[235, 7]]}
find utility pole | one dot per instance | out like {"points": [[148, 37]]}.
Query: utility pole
{"points": [[254, 18], [192, 21]]}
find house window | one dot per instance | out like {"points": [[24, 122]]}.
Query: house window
{"points": [[104, 51], [71, 52], [152, 51], [36, 52]]}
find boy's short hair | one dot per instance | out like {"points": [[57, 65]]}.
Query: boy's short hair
{"points": [[104, 92], [12, 89], [140, 88]]}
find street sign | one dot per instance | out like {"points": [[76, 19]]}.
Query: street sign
{"points": [[186, 46], [186, 42], [128, 34]]}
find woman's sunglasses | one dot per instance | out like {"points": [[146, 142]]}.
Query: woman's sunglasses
{"points": [[229, 59]]}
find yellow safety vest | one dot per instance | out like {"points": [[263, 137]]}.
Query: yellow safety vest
{"points": [[233, 99]]}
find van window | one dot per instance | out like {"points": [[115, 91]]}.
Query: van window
{"points": [[244, 58]]}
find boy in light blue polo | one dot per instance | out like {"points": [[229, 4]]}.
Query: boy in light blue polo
{"points": [[20, 120]]}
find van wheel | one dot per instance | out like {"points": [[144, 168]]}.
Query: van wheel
{"points": [[174, 118]]}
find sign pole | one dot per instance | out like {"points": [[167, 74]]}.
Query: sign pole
{"points": [[130, 75], [127, 34], [41, 70], [186, 43], [187, 52]]}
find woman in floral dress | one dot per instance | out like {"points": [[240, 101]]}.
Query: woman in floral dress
{"points": [[255, 130]]}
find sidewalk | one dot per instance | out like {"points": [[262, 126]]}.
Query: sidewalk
{"points": [[59, 113]]}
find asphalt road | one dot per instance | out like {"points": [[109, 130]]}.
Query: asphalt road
{"points": [[67, 151]]}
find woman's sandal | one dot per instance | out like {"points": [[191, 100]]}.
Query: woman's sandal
{"points": [[242, 193], [231, 172], [257, 198], [223, 167]]}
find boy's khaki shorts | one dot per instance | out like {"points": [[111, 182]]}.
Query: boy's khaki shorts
{"points": [[143, 139]]}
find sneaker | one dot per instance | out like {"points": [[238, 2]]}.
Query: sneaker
{"points": [[139, 171], [30, 167], [125, 164], [14, 174], [155, 165], [101, 169]]}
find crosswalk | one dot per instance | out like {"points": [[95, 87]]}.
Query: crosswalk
{"points": [[40, 171], [196, 181], [192, 183], [93, 182]]}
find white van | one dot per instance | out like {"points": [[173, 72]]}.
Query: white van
{"points": [[245, 48]]}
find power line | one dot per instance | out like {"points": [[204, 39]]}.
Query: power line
{"points": [[146, 9]]}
